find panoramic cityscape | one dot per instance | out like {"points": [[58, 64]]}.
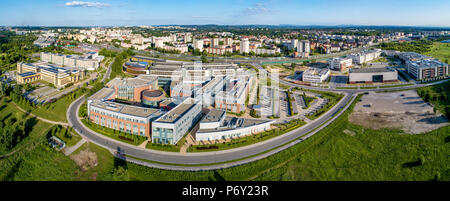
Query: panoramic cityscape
{"points": [[258, 92]]}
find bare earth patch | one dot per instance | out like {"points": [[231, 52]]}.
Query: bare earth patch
{"points": [[85, 159], [404, 110]]}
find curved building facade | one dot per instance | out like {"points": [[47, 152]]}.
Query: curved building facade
{"points": [[152, 98]]}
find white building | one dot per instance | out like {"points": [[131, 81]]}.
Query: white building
{"points": [[365, 56], [316, 75], [245, 46], [171, 127], [217, 126], [340, 64], [198, 44]]}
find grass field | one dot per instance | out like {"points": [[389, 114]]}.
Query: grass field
{"points": [[440, 51], [57, 111]]}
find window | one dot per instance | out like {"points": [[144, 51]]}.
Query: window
{"points": [[135, 129], [128, 128], [142, 130], [121, 126], [115, 125]]}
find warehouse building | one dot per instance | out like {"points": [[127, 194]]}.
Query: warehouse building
{"points": [[371, 75]]}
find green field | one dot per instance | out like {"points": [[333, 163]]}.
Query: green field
{"points": [[440, 51]]}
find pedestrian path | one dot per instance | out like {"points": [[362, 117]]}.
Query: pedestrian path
{"points": [[40, 118], [70, 150]]}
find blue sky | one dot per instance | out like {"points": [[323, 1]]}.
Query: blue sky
{"points": [[232, 12]]}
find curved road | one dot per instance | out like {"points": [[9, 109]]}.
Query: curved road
{"points": [[197, 161]]}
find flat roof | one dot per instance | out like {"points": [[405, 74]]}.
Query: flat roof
{"points": [[370, 70], [213, 116], [177, 112], [232, 123], [101, 94], [127, 109], [26, 74]]}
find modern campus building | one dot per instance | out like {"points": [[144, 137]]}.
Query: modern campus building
{"points": [[339, 64], [427, 68], [420, 66], [136, 67], [365, 56], [131, 89], [90, 61], [371, 75], [217, 126], [122, 117], [172, 126], [58, 76], [137, 106], [316, 75], [235, 93]]}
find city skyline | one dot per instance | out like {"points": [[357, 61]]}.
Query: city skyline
{"points": [[235, 12]]}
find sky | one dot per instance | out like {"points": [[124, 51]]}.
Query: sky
{"points": [[224, 12]]}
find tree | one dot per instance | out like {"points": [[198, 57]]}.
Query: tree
{"points": [[204, 59], [121, 174]]}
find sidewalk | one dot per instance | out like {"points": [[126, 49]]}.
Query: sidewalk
{"points": [[40, 118], [70, 150]]}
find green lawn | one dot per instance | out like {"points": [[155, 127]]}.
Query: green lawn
{"points": [[333, 99], [57, 111], [440, 51]]}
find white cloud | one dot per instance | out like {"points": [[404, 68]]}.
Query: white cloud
{"points": [[256, 9], [87, 4]]}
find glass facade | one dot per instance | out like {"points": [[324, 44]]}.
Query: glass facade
{"points": [[162, 135]]}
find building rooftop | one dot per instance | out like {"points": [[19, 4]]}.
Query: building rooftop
{"points": [[141, 80], [27, 74], [177, 112], [103, 93], [371, 70], [213, 116], [231, 123], [316, 71], [127, 109]]}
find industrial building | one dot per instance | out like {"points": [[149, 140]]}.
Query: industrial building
{"points": [[371, 75]]}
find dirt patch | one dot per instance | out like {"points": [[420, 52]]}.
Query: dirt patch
{"points": [[85, 159], [349, 132], [404, 110]]}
